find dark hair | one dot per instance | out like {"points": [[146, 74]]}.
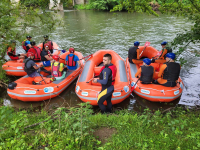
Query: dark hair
{"points": [[108, 55]]}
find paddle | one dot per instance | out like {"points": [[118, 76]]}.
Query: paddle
{"points": [[89, 80], [132, 88], [158, 54], [145, 45]]}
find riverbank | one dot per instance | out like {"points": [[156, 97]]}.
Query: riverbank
{"points": [[72, 128]]}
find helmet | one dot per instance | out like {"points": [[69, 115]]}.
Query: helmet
{"points": [[171, 55], [12, 41], [46, 45], [45, 36], [56, 57], [136, 43], [147, 61], [28, 36], [164, 43], [71, 50], [30, 54], [32, 43]]}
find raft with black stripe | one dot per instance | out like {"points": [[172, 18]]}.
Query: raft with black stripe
{"points": [[88, 91], [153, 92], [26, 91], [14, 67]]}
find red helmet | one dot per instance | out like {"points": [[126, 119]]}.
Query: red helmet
{"points": [[30, 54], [56, 57], [71, 50], [46, 45]]}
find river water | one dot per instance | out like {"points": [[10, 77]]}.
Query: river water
{"points": [[89, 31]]}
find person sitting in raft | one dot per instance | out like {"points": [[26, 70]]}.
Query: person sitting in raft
{"points": [[46, 56], [11, 51], [169, 72], [106, 79], [36, 51], [26, 44], [71, 60], [164, 51], [134, 53], [30, 67], [147, 72], [57, 68], [49, 42]]}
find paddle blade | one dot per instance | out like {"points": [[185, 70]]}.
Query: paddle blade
{"points": [[63, 51], [147, 44], [132, 88]]}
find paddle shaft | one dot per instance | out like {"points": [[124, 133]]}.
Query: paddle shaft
{"points": [[145, 45], [42, 78], [135, 84]]}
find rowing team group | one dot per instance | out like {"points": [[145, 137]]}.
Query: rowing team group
{"points": [[169, 71], [34, 54]]}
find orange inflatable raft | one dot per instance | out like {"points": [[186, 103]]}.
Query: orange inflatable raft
{"points": [[88, 91], [26, 91], [14, 67], [153, 92]]}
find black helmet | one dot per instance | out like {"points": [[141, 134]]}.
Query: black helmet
{"points": [[45, 36], [32, 43], [28, 36], [12, 41]]}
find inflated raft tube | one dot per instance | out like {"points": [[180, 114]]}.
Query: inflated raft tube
{"points": [[153, 92], [149, 52], [88, 91], [14, 67], [23, 89]]}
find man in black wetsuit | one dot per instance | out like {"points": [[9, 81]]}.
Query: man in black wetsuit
{"points": [[106, 79]]}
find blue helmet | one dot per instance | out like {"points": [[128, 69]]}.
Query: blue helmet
{"points": [[164, 43], [171, 55], [147, 61], [136, 43]]}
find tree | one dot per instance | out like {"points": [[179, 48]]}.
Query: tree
{"points": [[16, 19]]}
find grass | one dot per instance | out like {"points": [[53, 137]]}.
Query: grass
{"points": [[73, 129]]}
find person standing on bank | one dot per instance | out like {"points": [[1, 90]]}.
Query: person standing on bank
{"points": [[147, 72], [134, 53], [169, 72], [106, 79]]}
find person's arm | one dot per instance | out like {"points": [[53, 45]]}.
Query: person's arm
{"points": [[79, 63], [138, 53], [48, 58], [106, 72], [162, 68], [138, 72], [163, 54]]}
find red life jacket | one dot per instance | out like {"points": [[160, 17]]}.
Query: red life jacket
{"points": [[114, 72], [71, 61], [13, 51], [23, 45], [55, 70], [37, 53]]}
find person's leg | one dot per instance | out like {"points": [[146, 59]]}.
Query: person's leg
{"points": [[109, 103]]}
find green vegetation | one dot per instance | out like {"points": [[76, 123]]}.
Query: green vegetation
{"points": [[73, 129]]}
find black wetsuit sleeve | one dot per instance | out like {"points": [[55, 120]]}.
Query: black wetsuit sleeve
{"points": [[106, 72]]}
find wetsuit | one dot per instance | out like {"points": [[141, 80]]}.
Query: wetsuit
{"points": [[106, 81], [169, 74], [134, 55], [161, 58]]}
